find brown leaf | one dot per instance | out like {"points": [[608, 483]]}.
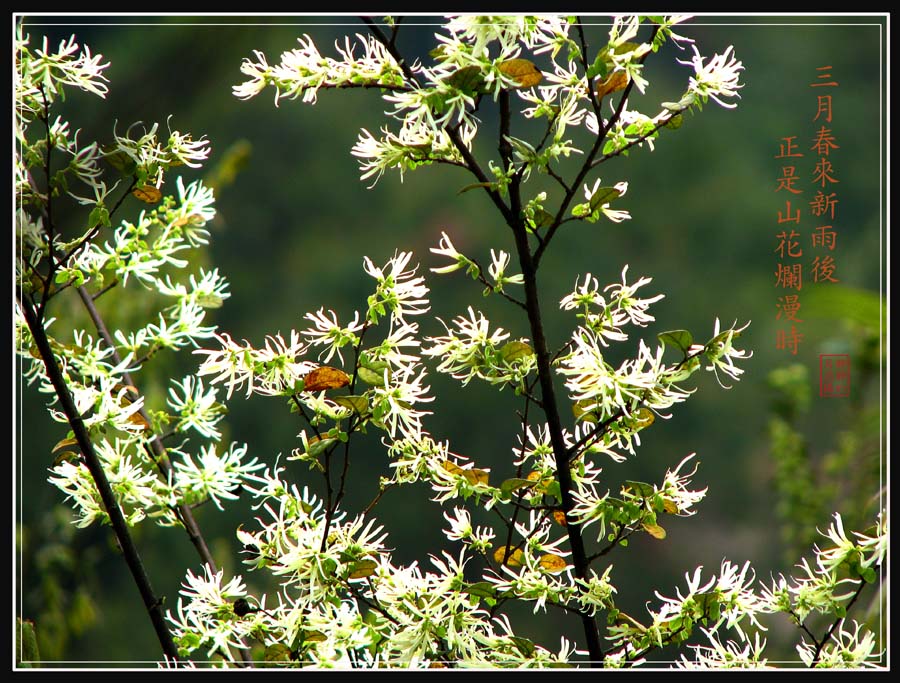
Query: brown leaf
{"points": [[138, 419], [325, 378], [560, 517], [147, 193], [525, 73], [64, 443], [552, 563], [616, 81]]}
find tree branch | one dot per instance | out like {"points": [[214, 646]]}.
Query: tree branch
{"points": [[152, 603]]}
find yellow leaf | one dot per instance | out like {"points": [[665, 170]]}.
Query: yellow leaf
{"points": [[514, 558], [670, 507], [325, 378], [147, 193], [472, 475], [552, 563], [524, 72], [654, 530], [616, 81], [481, 476], [542, 482], [362, 569], [642, 417]]}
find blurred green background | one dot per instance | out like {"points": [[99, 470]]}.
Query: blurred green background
{"points": [[294, 223]]}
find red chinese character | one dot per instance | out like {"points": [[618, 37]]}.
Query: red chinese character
{"points": [[786, 217], [789, 277], [788, 149], [834, 375], [824, 236], [788, 305], [823, 203], [822, 171], [824, 77], [824, 142], [788, 341], [823, 269], [788, 243], [824, 107], [787, 180]]}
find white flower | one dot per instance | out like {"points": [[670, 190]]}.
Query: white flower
{"points": [[721, 353], [460, 525], [401, 336], [848, 649], [327, 332], [399, 290], [830, 559], [731, 655], [717, 78], [499, 261], [394, 402], [196, 408], [445, 248], [214, 476]]}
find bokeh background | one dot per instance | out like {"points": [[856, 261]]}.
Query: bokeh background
{"points": [[294, 222]]}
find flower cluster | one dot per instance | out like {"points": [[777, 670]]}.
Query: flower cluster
{"points": [[470, 349], [481, 56]]}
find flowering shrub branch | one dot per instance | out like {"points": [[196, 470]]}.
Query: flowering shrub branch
{"points": [[342, 600]]}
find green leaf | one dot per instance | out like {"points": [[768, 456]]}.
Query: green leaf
{"points": [[603, 195], [640, 488], [27, 655], [640, 419], [278, 653], [120, 161], [475, 186], [680, 339], [99, 216], [514, 484], [523, 645], [358, 404], [371, 376], [543, 219], [599, 68], [685, 371], [482, 589], [626, 47], [469, 79], [318, 446], [515, 350], [313, 636], [362, 569], [583, 410], [674, 123]]}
